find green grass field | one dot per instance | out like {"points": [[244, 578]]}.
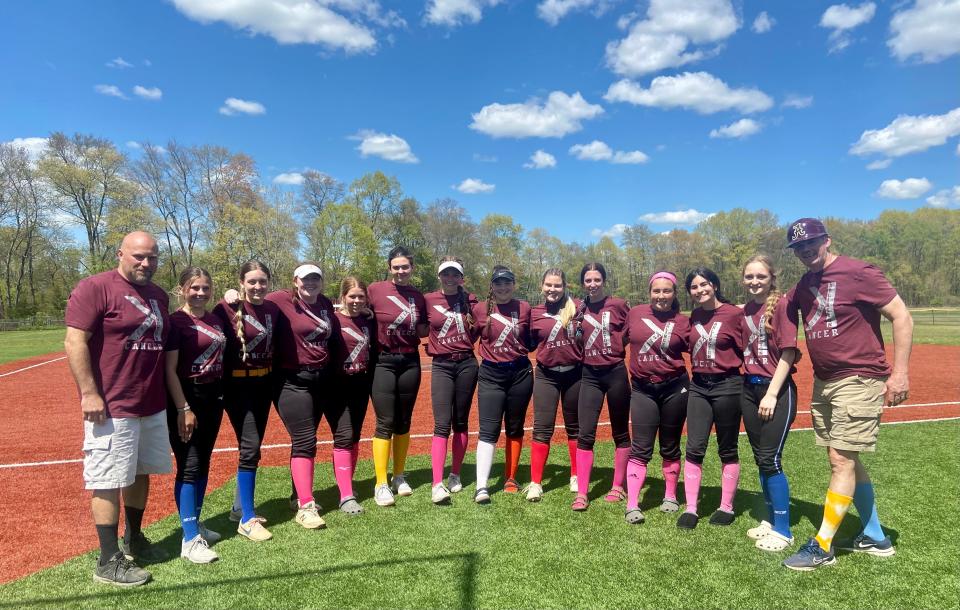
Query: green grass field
{"points": [[18, 344], [936, 326], [516, 554]]}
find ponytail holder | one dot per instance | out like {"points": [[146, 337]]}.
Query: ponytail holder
{"points": [[663, 275]]}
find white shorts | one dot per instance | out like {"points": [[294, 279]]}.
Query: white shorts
{"points": [[120, 448]]}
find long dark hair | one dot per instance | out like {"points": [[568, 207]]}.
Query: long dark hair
{"points": [[594, 266], [490, 303], [710, 276]]}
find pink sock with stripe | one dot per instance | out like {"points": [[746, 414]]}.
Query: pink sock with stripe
{"points": [[671, 475], [354, 455], [343, 472], [584, 470], [691, 484], [438, 457], [730, 478], [459, 450], [620, 457], [301, 470], [636, 475]]}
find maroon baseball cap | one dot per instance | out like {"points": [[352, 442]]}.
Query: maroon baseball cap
{"points": [[803, 230]]}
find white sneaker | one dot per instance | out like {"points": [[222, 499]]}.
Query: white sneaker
{"points": [[454, 484], [573, 484], [757, 533], [534, 492], [400, 485], [197, 551], [383, 496], [439, 494], [209, 535], [254, 530], [309, 517]]}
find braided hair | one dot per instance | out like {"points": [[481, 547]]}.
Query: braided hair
{"points": [[247, 267], [773, 297]]}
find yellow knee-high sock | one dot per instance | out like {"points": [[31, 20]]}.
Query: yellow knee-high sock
{"points": [[381, 455], [834, 509], [401, 442]]}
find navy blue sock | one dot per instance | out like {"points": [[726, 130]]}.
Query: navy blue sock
{"points": [[246, 482], [865, 501], [188, 510], [780, 503], [176, 492]]}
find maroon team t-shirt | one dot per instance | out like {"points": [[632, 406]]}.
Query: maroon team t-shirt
{"points": [[358, 335], [259, 327], [604, 323], [129, 326], [398, 310], [449, 332], [658, 340], [200, 342], [761, 349], [556, 345], [506, 338], [841, 318], [304, 332], [715, 340]]}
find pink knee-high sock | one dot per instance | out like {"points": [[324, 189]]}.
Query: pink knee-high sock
{"points": [[584, 468], [620, 457], [572, 450], [438, 457], [343, 472], [538, 460], [354, 455], [671, 474], [728, 485], [459, 450], [636, 475], [301, 470], [691, 484]]}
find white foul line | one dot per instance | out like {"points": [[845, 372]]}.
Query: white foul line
{"points": [[33, 366]]}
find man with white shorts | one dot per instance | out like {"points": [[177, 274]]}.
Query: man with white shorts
{"points": [[116, 330]]}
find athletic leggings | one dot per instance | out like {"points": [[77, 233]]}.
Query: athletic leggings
{"points": [[658, 407], [550, 389], [767, 438], [714, 401], [303, 399], [611, 381], [503, 394], [193, 456], [396, 381], [353, 394], [452, 385], [247, 403]]}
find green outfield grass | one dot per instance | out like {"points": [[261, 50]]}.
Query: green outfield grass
{"points": [[516, 554], [938, 326], [18, 344]]}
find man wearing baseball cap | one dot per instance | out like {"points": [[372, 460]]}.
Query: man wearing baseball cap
{"points": [[841, 300]]}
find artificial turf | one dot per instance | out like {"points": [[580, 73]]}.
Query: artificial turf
{"points": [[517, 554]]}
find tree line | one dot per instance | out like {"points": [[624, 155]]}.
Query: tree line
{"points": [[63, 213]]}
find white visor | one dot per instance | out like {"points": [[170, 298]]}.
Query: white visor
{"points": [[304, 270], [450, 265]]}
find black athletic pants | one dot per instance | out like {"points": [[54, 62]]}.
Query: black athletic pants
{"points": [[452, 385], [353, 393], [611, 381], [247, 403], [767, 438], [396, 381], [550, 389], [658, 408], [193, 457], [714, 401], [304, 398], [503, 394]]}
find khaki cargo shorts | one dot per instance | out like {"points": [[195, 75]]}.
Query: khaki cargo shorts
{"points": [[120, 448], [846, 412]]}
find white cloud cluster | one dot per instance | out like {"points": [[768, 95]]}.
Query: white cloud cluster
{"points": [[552, 11], [945, 198], [118, 62], [842, 18], [560, 115], [797, 101], [763, 23], [601, 151], [452, 13], [474, 186], [233, 106], [289, 179], [679, 217], [664, 38], [908, 134], [698, 91], [737, 130], [110, 90], [148, 93], [615, 231], [930, 29], [879, 164], [541, 160], [911, 188], [386, 146], [34, 147]]}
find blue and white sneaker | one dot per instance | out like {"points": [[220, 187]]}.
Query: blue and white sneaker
{"points": [[810, 557], [866, 544]]}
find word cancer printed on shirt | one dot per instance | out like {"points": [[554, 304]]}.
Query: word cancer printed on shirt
{"points": [[453, 318], [319, 335], [552, 340], [405, 324], [707, 343], [138, 340], [352, 364], [600, 328], [757, 349], [825, 311], [511, 328], [211, 360]]}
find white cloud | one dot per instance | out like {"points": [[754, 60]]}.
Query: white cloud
{"points": [[541, 160], [630, 157], [560, 115], [879, 164], [929, 28], [134, 144], [945, 198], [110, 90], [678, 217], [615, 231], [118, 62], [797, 101], [386, 146], [233, 106], [35, 147], [908, 134], [473, 186], [552, 11], [286, 21], [601, 151], [739, 129], [841, 18], [662, 39], [763, 23], [289, 178], [911, 188], [485, 158], [452, 13], [148, 93], [698, 91]]}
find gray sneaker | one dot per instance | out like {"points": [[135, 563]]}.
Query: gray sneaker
{"points": [[121, 572], [810, 557], [140, 548], [866, 544]]}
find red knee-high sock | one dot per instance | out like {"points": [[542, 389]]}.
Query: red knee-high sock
{"points": [[636, 474], [514, 445], [538, 460], [572, 450]]}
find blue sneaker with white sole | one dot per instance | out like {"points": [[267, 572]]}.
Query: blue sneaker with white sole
{"points": [[810, 557], [866, 544]]}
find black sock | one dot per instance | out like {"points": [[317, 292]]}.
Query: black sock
{"points": [[108, 542], [133, 521]]}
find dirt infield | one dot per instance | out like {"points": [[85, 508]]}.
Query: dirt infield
{"points": [[40, 471]]}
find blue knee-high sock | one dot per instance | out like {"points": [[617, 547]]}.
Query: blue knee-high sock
{"points": [[188, 510], [865, 501], [246, 482], [780, 503], [201, 485], [765, 487], [176, 492]]}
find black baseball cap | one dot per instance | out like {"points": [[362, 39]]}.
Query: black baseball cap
{"points": [[803, 230], [503, 274]]}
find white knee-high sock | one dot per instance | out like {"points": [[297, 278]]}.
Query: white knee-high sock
{"points": [[484, 462]]}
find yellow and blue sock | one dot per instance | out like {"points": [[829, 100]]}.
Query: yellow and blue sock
{"points": [[865, 501], [834, 509]]}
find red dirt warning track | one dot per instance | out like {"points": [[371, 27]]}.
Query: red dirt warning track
{"points": [[39, 408]]}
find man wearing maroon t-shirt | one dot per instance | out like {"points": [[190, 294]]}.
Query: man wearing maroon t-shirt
{"points": [[117, 325], [840, 300]]}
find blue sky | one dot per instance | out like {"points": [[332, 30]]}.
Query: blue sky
{"points": [[661, 111]]}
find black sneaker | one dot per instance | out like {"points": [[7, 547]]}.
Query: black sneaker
{"points": [[721, 517], [140, 548], [121, 572], [688, 521]]}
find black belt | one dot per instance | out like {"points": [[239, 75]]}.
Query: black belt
{"points": [[453, 357], [712, 378], [512, 364], [658, 380], [560, 368]]}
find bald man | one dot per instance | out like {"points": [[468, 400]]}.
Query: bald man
{"points": [[116, 329]]}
